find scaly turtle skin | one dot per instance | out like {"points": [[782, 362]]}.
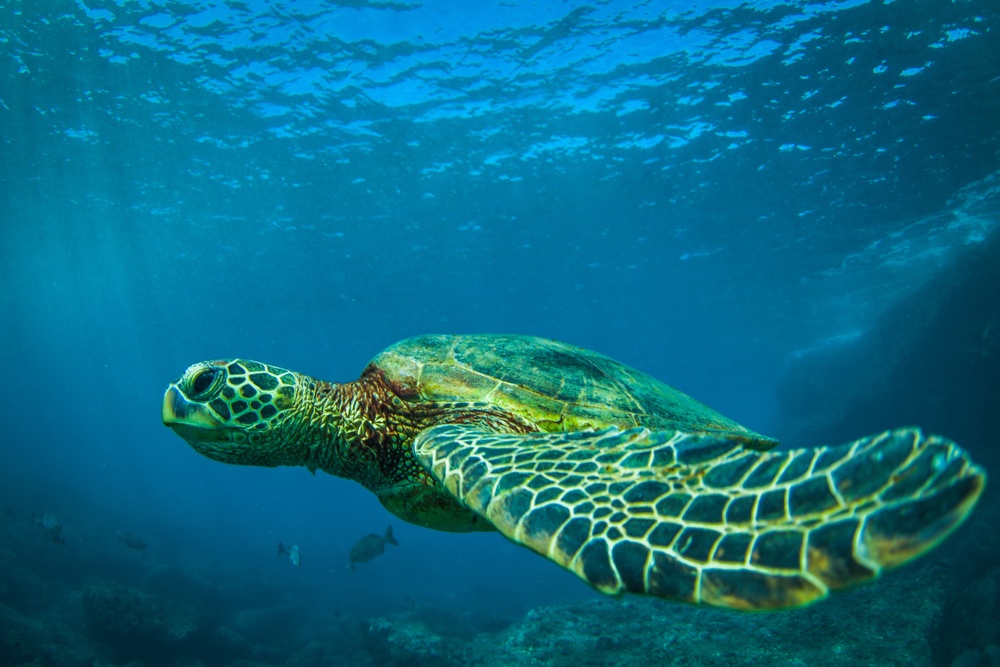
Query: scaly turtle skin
{"points": [[629, 483]]}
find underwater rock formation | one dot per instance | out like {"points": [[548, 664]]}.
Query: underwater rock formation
{"points": [[136, 623], [877, 630], [28, 641], [970, 624], [932, 359], [404, 640], [176, 583], [888, 623]]}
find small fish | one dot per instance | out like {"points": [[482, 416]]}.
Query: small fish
{"points": [[51, 527], [370, 546], [291, 551], [131, 540]]}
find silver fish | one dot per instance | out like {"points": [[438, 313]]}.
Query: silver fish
{"points": [[291, 551]]}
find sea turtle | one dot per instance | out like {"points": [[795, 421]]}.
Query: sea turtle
{"points": [[625, 481]]}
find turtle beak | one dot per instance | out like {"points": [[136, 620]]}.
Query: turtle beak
{"points": [[181, 414]]}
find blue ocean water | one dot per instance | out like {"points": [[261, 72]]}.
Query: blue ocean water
{"points": [[707, 191]]}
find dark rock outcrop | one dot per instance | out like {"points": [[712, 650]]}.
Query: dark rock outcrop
{"points": [[137, 624], [324, 654], [970, 624], [932, 359], [25, 640], [429, 636], [404, 640], [176, 583], [888, 623]]}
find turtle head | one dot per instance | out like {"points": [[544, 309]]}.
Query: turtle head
{"points": [[239, 411]]}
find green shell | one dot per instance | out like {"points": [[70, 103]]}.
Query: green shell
{"points": [[553, 386]]}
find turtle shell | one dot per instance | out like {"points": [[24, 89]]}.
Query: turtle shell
{"points": [[555, 386]]}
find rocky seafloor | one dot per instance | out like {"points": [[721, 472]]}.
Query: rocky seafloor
{"points": [[943, 610]]}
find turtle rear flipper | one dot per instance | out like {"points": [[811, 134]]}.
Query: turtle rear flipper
{"points": [[700, 518]]}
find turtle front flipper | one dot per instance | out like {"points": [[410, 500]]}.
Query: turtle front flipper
{"points": [[700, 518]]}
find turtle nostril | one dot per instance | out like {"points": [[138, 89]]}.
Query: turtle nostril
{"points": [[203, 381]]}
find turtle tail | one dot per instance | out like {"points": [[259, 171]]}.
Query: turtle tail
{"points": [[702, 519]]}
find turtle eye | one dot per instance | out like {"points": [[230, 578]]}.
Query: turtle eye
{"points": [[203, 381]]}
